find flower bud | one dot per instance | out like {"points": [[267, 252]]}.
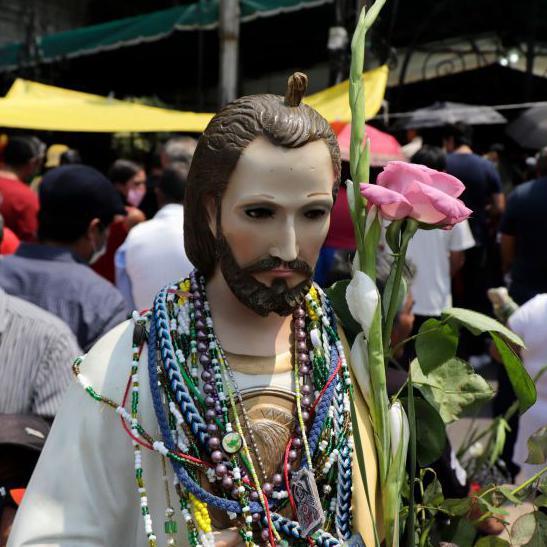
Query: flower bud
{"points": [[362, 298], [399, 428], [360, 367]]}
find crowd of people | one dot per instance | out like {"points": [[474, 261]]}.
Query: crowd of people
{"points": [[82, 249]]}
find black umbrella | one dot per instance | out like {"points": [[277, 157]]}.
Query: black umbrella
{"points": [[530, 128], [444, 113]]}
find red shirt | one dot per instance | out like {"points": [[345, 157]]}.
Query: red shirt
{"points": [[10, 243], [19, 207]]}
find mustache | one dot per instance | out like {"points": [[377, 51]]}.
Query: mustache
{"points": [[272, 262]]}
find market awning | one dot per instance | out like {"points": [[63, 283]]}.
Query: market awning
{"points": [[135, 30], [32, 105]]}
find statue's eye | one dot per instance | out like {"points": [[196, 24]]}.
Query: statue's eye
{"points": [[259, 212], [314, 214]]}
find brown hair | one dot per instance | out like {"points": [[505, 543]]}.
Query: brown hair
{"points": [[284, 121]]}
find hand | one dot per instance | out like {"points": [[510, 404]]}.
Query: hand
{"points": [[227, 538]]}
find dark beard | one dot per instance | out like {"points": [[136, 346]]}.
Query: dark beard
{"points": [[263, 300]]}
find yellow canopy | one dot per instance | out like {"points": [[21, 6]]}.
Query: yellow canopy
{"points": [[32, 105], [333, 103], [38, 106]]}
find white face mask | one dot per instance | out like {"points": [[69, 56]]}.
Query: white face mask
{"points": [[135, 196]]}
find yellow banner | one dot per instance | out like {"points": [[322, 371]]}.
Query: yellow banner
{"points": [[31, 105]]}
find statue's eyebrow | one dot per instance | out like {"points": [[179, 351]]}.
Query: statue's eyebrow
{"points": [[255, 196], [318, 194]]}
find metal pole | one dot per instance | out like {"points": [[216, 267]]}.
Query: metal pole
{"points": [[229, 50]]}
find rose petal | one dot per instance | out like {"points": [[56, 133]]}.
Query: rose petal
{"points": [[453, 209], [443, 181], [423, 208], [392, 205], [399, 176], [362, 298]]}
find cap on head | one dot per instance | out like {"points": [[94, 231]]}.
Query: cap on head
{"points": [[71, 196]]}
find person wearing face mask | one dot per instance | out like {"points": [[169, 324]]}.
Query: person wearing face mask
{"points": [[129, 180], [77, 207]]}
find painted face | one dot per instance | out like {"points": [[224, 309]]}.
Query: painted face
{"points": [[275, 215]]}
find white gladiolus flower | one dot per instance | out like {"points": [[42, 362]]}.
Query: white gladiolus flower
{"points": [[362, 298], [371, 216], [360, 367], [400, 431], [476, 450], [351, 195]]}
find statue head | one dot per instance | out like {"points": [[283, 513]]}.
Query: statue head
{"points": [[273, 151]]}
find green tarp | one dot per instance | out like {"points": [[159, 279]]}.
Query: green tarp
{"points": [[142, 28]]}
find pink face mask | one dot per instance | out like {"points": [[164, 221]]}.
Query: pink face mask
{"points": [[135, 196]]}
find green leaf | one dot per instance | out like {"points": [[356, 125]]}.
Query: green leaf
{"points": [[457, 506], [537, 447], [433, 495], [393, 235], [478, 323], [461, 532], [506, 492], [430, 433], [541, 501], [337, 296], [451, 388], [530, 530], [388, 290], [491, 541], [523, 385], [436, 344]]}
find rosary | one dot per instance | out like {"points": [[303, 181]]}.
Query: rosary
{"points": [[206, 433]]}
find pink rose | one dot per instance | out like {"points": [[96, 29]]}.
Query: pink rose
{"points": [[416, 191]]}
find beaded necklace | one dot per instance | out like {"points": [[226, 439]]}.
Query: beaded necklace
{"points": [[201, 416]]}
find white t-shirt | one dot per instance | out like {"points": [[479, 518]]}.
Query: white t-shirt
{"points": [[152, 256], [429, 251], [530, 323]]}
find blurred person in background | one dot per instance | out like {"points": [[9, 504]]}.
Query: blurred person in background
{"points": [[483, 195], [153, 254], [129, 180], [523, 228], [18, 203], [175, 150], [9, 242], [77, 206], [437, 254], [178, 149], [22, 438]]}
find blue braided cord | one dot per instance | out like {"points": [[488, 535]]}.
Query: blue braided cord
{"points": [[191, 415], [292, 529], [343, 501], [183, 476], [322, 407]]}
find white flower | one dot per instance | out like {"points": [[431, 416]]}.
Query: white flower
{"points": [[476, 450], [456, 466], [362, 298], [360, 366], [351, 195], [399, 428]]}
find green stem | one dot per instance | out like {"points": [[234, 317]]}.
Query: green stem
{"points": [[529, 481], [392, 308], [404, 342], [411, 521]]}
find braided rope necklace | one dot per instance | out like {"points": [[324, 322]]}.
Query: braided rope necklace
{"points": [[202, 432]]}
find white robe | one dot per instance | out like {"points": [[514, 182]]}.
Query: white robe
{"points": [[83, 491]]}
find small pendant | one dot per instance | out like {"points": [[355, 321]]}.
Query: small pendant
{"points": [[232, 442], [309, 512], [354, 541]]}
